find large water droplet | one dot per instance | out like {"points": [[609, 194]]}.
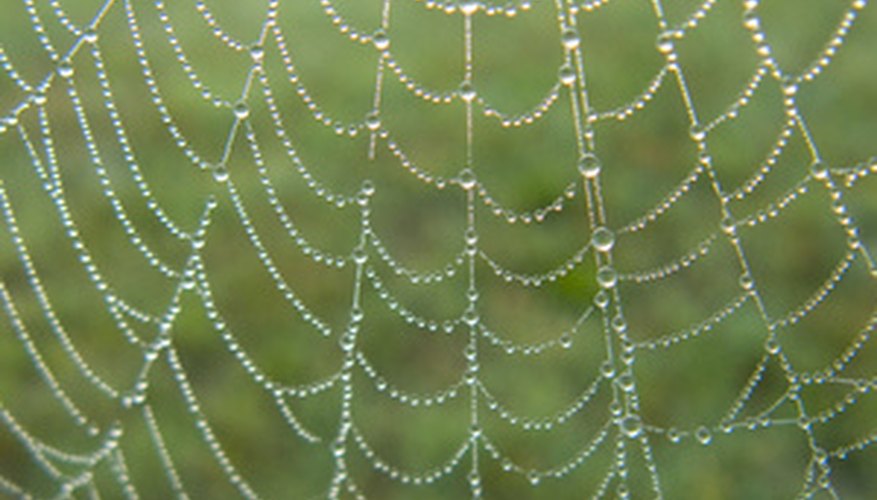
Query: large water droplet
{"points": [[381, 40], [469, 7], [65, 69], [220, 172], [470, 317], [607, 277], [373, 121], [359, 256], [570, 38], [567, 75], [603, 239], [467, 91], [626, 382], [631, 425], [589, 165], [241, 110], [466, 179]]}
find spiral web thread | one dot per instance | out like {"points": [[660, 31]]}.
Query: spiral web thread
{"points": [[31, 138]]}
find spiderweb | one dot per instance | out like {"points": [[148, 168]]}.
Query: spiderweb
{"points": [[427, 249]]}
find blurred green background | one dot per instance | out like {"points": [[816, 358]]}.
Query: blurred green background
{"points": [[516, 60]]}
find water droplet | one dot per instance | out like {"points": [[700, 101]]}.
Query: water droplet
{"points": [[89, 35], [359, 256], [746, 281], [751, 20], [474, 431], [534, 477], [772, 346], [607, 277], [590, 165], [570, 38], [626, 382], [601, 299], [704, 435], [728, 225], [566, 340], [607, 369], [819, 170], [697, 132], [567, 75], [39, 98], [471, 236], [466, 179], [674, 435], [65, 69], [368, 188], [470, 317], [373, 121], [474, 478], [619, 324], [469, 7], [339, 449], [631, 426], [257, 53], [467, 91], [241, 110], [381, 40], [666, 42], [603, 239], [220, 172], [615, 408]]}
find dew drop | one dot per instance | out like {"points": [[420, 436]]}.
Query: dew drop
{"points": [[772, 346], [728, 225], [819, 170], [615, 408], [359, 256], [607, 369], [626, 382], [590, 165], [241, 110], [704, 435], [570, 38], [567, 75], [467, 91], [751, 20], [601, 299], [257, 53], [220, 172], [373, 121], [466, 179], [603, 239], [39, 98], [566, 340], [631, 426], [666, 42], [469, 7], [746, 282], [65, 69], [471, 236], [607, 277], [470, 317], [89, 35], [381, 40], [674, 435]]}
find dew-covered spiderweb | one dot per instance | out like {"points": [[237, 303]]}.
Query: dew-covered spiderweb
{"points": [[438, 249]]}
